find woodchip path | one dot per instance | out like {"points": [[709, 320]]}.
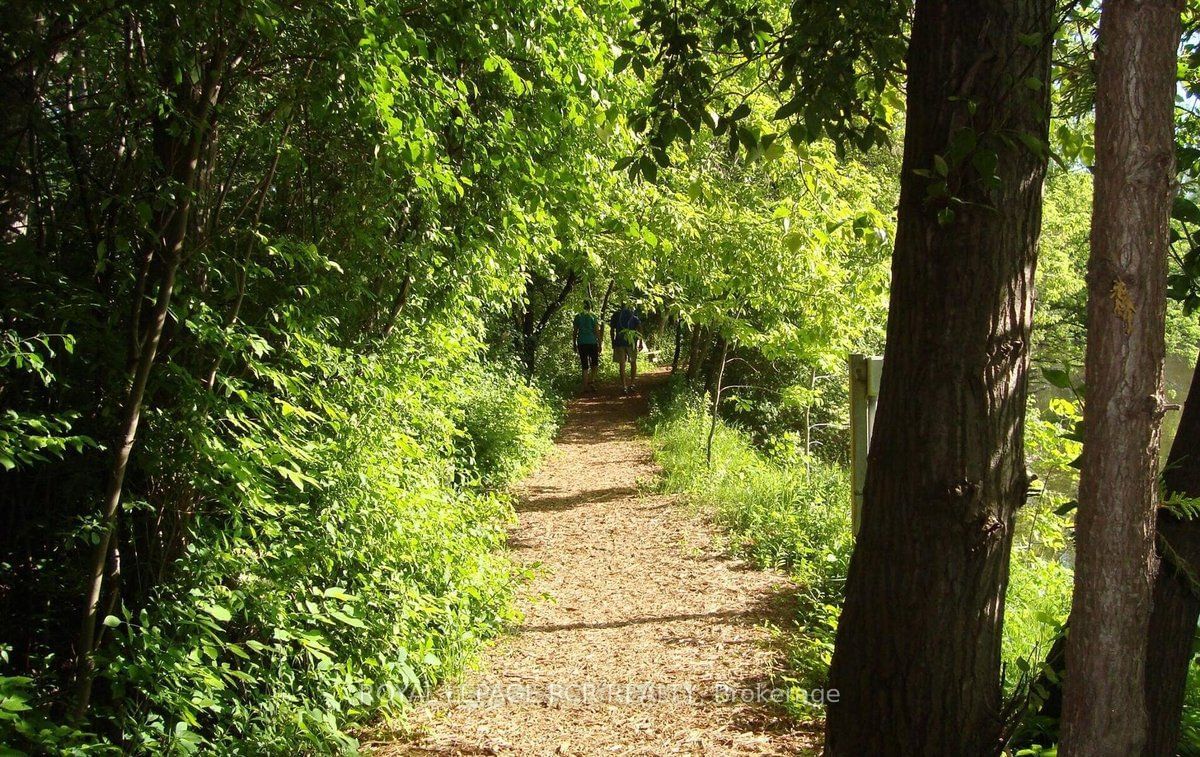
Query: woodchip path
{"points": [[639, 636]]}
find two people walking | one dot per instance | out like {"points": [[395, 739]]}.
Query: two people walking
{"points": [[587, 334]]}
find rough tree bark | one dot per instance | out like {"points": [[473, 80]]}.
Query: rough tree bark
{"points": [[1118, 482], [1175, 608], [917, 658], [1176, 599]]}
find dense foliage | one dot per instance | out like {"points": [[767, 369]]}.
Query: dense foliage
{"points": [[262, 246], [285, 308]]}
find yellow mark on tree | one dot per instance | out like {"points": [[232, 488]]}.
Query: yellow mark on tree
{"points": [[1123, 304]]}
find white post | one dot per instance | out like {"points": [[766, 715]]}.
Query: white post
{"points": [[864, 395]]}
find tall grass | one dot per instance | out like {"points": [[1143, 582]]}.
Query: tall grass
{"points": [[790, 514]]}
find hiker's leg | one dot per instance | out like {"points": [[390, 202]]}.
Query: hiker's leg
{"points": [[593, 352], [632, 365], [593, 364]]}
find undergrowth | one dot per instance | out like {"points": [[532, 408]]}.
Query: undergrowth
{"points": [[784, 511], [348, 556], [779, 512]]}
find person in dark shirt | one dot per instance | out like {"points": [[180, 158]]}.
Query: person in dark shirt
{"points": [[625, 342], [585, 334]]}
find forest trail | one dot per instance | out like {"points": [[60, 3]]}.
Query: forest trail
{"points": [[637, 628]]}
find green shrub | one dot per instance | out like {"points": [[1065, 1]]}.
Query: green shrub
{"points": [[1036, 606], [347, 553], [321, 610], [507, 424]]}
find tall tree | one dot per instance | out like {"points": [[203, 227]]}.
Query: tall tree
{"points": [[1170, 642], [1127, 273], [917, 659]]}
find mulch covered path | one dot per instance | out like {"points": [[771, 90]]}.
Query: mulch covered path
{"points": [[639, 636]]}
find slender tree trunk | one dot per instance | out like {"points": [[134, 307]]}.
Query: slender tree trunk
{"points": [[604, 307], [1175, 609], [20, 83], [917, 659], [399, 303], [179, 147], [533, 327], [127, 435], [694, 352], [716, 400], [527, 342], [243, 274], [1127, 271], [678, 345]]}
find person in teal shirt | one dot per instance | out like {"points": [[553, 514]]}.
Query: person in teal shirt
{"points": [[586, 336]]}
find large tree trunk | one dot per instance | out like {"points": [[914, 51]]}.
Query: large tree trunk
{"points": [[1176, 601], [1127, 271], [917, 661]]}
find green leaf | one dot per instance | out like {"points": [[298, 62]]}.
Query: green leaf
{"points": [[985, 161], [1046, 618], [1183, 209], [347, 619], [790, 108], [649, 169], [1057, 377], [1036, 146], [13, 704], [218, 612]]}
